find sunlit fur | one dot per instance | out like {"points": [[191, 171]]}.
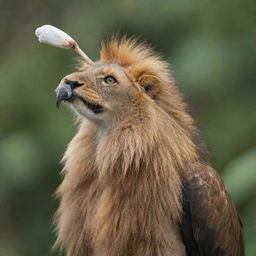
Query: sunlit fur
{"points": [[121, 192]]}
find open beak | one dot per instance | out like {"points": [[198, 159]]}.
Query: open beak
{"points": [[66, 92], [63, 92]]}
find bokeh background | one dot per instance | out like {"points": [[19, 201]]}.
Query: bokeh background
{"points": [[212, 48]]}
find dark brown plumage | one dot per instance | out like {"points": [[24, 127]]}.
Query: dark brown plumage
{"points": [[136, 176]]}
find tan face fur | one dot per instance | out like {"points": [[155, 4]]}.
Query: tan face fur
{"points": [[108, 86], [126, 77]]}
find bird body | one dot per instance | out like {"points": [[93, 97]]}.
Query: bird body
{"points": [[137, 180]]}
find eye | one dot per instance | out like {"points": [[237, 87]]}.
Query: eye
{"points": [[110, 80], [148, 88]]}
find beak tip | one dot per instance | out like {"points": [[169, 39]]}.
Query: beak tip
{"points": [[62, 93], [58, 101]]}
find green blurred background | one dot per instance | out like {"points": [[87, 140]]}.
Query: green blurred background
{"points": [[212, 48]]}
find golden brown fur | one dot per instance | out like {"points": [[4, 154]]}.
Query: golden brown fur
{"points": [[121, 192]]}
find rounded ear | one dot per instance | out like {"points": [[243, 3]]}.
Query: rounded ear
{"points": [[150, 83]]}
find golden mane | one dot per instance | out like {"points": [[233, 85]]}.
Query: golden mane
{"points": [[140, 162], [137, 57]]}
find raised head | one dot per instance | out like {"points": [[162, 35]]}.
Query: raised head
{"points": [[129, 77]]}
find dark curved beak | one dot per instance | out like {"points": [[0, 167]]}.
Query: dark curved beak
{"points": [[63, 92]]}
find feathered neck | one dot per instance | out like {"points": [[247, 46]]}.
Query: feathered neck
{"points": [[149, 138]]}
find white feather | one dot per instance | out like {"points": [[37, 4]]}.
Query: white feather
{"points": [[53, 36]]}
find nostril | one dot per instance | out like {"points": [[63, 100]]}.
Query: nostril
{"points": [[73, 84]]}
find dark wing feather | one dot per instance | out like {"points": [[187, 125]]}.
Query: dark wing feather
{"points": [[210, 224]]}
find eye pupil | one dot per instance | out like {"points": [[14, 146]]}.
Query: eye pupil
{"points": [[110, 80]]}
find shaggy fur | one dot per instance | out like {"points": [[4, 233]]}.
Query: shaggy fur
{"points": [[123, 174]]}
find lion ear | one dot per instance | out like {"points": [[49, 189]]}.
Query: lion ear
{"points": [[150, 83]]}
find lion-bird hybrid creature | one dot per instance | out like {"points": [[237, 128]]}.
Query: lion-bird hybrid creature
{"points": [[137, 180]]}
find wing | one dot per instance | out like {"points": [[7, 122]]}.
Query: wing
{"points": [[210, 224]]}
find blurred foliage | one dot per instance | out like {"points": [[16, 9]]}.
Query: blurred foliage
{"points": [[212, 48]]}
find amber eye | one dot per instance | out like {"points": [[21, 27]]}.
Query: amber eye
{"points": [[110, 80]]}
